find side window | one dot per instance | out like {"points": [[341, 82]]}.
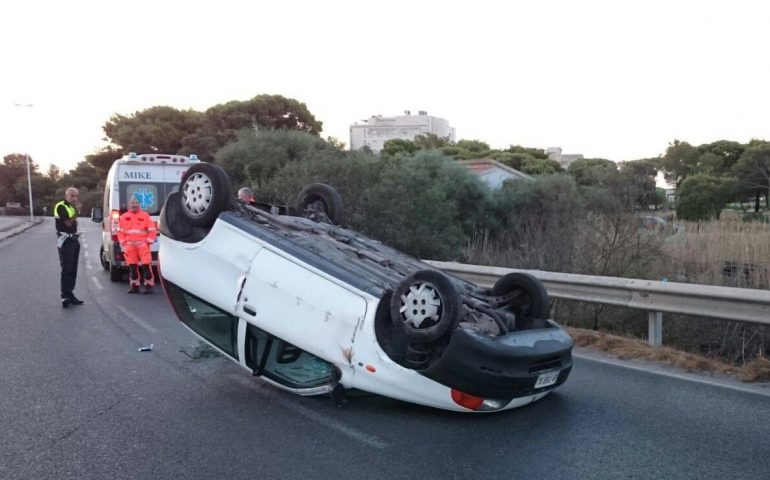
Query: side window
{"points": [[284, 363], [211, 323]]}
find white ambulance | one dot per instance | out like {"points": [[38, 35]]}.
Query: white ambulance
{"points": [[150, 178]]}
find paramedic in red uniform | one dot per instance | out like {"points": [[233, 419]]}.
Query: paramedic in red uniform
{"points": [[136, 232]]}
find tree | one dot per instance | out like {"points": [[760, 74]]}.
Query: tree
{"points": [[680, 160], [753, 172], [154, 130], [163, 129], [635, 185], [594, 172], [533, 152], [467, 150], [430, 141], [43, 191], [541, 219], [710, 164], [702, 197], [105, 157], [54, 172], [729, 152], [263, 111], [539, 166], [84, 175], [399, 146], [255, 157], [14, 168]]}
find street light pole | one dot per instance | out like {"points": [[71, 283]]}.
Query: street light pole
{"points": [[29, 185]]}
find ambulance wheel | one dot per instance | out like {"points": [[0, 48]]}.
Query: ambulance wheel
{"points": [[105, 263], [116, 273], [204, 193]]}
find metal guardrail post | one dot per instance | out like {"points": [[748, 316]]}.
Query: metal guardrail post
{"points": [[655, 330]]}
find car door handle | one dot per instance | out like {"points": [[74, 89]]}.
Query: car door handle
{"points": [[249, 310]]}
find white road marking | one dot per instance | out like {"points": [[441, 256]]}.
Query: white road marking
{"points": [[310, 414], [88, 265], [136, 319], [85, 253], [679, 376], [97, 282]]}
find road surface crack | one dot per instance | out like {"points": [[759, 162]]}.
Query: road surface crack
{"points": [[89, 420]]}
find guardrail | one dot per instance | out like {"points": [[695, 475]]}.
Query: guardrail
{"points": [[740, 304]]}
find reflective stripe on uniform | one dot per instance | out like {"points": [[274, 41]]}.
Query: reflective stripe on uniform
{"points": [[70, 210]]}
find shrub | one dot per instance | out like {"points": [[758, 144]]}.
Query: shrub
{"points": [[702, 197]]}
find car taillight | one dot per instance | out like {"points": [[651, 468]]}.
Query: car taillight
{"points": [[114, 219], [478, 404], [467, 400]]}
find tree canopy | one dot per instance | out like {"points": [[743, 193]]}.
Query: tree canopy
{"points": [[752, 171], [163, 129], [702, 197]]}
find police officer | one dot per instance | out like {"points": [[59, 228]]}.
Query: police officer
{"points": [[136, 232], [66, 214]]}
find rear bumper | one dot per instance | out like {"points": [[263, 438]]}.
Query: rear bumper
{"points": [[503, 367]]}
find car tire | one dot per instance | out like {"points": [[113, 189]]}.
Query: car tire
{"points": [[425, 306], [116, 273], [328, 211], [530, 298], [204, 192], [105, 263]]}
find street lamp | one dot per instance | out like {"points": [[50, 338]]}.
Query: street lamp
{"points": [[29, 186], [29, 174]]}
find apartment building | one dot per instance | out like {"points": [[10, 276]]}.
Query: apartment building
{"points": [[376, 130]]}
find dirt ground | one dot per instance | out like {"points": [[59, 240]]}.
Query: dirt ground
{"points": [[627, 348]]}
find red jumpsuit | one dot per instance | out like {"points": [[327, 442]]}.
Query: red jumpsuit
{"points": [[136, 232]]}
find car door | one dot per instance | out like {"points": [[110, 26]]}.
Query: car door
{"points": [[286, 365], [302, 306]]}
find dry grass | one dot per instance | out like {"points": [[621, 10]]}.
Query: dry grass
{"points": [[633, 348], [703, 252]]}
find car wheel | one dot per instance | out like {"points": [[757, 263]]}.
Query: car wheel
{"points": [[529, 298], [116, 273], [105, 263], [321, 203], [425, 306], [204, 193]]}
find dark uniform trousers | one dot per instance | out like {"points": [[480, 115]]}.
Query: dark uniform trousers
{"points": [[68, 257]]}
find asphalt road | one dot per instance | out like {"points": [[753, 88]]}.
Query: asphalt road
{"points": [[78, 400]]}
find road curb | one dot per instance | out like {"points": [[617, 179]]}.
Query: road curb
{"points": [[20, 228]]}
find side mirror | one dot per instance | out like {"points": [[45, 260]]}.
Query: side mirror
{"points": [[96, 215]]}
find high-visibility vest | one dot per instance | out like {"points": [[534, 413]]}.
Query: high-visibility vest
{"points": [[70, 210]]}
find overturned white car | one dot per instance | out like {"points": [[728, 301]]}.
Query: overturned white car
{"points": [[315, 308]]}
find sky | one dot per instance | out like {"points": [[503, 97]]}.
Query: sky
{"points": [[609, 79]]}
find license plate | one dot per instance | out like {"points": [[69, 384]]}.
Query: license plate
{"points": [[546, 379]]}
